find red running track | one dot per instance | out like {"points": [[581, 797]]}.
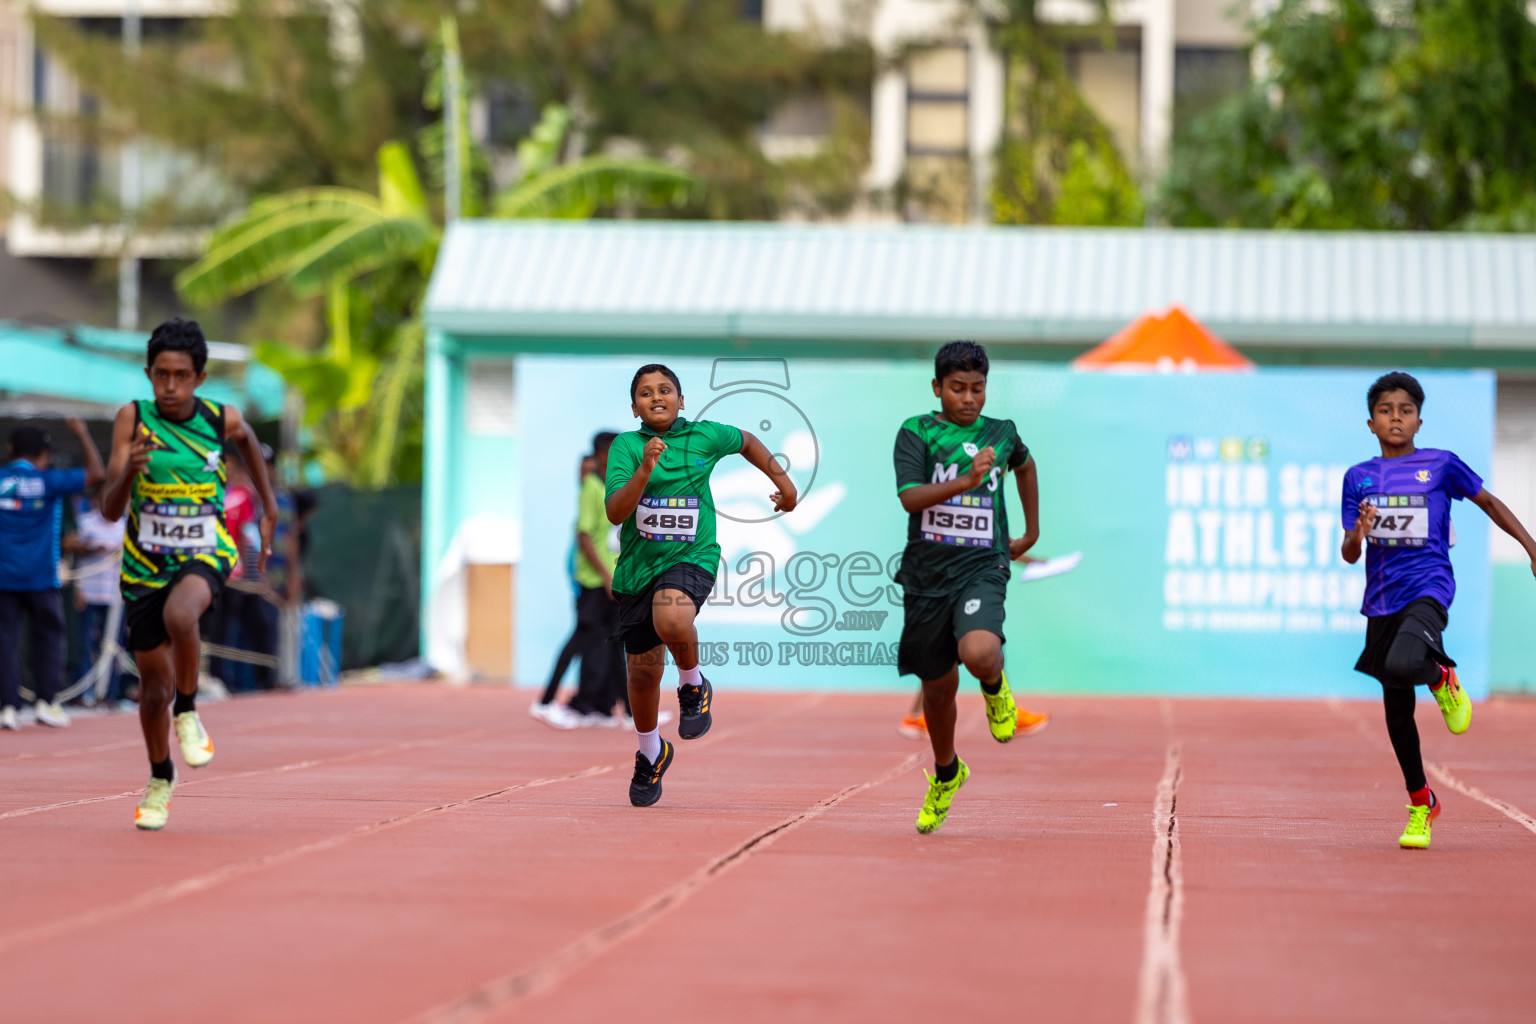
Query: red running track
{"points": [[425, 854]]}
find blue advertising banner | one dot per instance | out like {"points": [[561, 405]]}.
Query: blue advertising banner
{"points": [[1206, 509]]}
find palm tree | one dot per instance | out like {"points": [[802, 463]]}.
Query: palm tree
{"points": [[371, 257]]}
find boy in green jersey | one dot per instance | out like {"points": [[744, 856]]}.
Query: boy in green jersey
{"points": [[167, 473], [658, 493], [954, 570]]}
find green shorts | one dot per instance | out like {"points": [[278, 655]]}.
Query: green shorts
{"points": [[933, 625]]}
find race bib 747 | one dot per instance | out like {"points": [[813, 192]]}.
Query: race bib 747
{"points": [[1402, 520]]}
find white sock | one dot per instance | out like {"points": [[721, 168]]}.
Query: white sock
{"points": [[690, 676], [650, 743]]}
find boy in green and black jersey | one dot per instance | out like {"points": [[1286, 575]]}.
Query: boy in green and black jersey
{"points": [[658, 492], [954, 570], [167, 473]]}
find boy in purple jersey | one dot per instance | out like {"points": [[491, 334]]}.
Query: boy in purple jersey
{"points": [[1400, 505]]}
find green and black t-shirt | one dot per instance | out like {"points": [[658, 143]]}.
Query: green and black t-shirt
{"points": [[176, 508], [675, 520], [951, 543]]}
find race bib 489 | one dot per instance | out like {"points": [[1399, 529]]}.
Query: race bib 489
{"points": [[1402, 520], [672, 520], [965, 519]]}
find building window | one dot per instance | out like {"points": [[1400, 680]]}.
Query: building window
{"points": [[938, 101], [490, 405], [1204, 76]]}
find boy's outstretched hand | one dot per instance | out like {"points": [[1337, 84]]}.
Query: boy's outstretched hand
{"points": [[785, 499]]}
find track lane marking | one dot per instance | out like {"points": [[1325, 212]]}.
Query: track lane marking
{"points": [[1162, 993], [186, 887], [1509, 810], [518, 985], [139, 741], [393, 748], [1443, 774]]}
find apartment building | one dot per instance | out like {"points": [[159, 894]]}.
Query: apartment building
{"points": [[939, 93]]}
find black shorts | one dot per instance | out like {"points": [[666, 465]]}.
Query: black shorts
{"points": [[146, 616], [635, 626], [932, 626], [1424, 618]]}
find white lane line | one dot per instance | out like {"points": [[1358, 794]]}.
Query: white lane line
{"points": [[1163, 997], [394, 748], [161, 895], [1443, 774], [496, 995]]}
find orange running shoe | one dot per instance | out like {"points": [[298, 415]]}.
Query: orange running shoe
{"points": [[914, 727], [1031, 723]]}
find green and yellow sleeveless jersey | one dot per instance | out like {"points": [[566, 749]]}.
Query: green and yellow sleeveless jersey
{"points": [[176, 508]]}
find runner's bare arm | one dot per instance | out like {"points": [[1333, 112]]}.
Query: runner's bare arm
{"points": [[1505, 520], [754, 451], [623, 502], [240, 432], [915, 499], [129, 457], [95, 472], [1354, 539], [1029, 497]]}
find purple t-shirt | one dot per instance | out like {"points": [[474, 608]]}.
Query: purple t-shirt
{"points": [[1407, 554]]}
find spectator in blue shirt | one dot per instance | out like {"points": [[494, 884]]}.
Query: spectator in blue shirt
{"points": [[30, 516]]}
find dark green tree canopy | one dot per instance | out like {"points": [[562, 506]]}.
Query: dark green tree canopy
{"points": [[1417, 115]]}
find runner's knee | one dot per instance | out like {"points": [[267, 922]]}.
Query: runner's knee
{"points": [[180, 622], [1408, 663]]}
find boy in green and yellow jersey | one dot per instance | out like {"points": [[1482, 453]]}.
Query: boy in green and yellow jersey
{"points": [[658, 491], [954, 569], [167, 473]]}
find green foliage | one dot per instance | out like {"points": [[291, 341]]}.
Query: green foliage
{"points": [[372, 257], [1057, 162], [669, 76], [1413, 115], [260, 96]]}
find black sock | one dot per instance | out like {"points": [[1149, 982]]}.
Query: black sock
{"points": [[994, 689], [162, 770], [947, 772], [184, 702]]}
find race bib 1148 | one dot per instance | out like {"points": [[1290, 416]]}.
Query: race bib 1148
{"points": [[671, 520], [179, 529], [965, 519], [1402, 520]]}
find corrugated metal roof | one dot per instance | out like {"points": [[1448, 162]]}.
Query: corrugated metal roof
{"points": [[650, 279]]}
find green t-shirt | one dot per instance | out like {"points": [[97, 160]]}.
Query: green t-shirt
{"points": [[950, 544], [592, 521], [675, 521]]}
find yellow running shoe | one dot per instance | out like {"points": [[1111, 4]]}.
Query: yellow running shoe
{"points": [[1002, 713], [1454, 703], [940, 796], [1416, 835], [1030, 723], [155, 809], [196, 747]]}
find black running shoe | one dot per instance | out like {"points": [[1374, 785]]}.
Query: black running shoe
{"points": [[693, 709], [645, 787]]}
